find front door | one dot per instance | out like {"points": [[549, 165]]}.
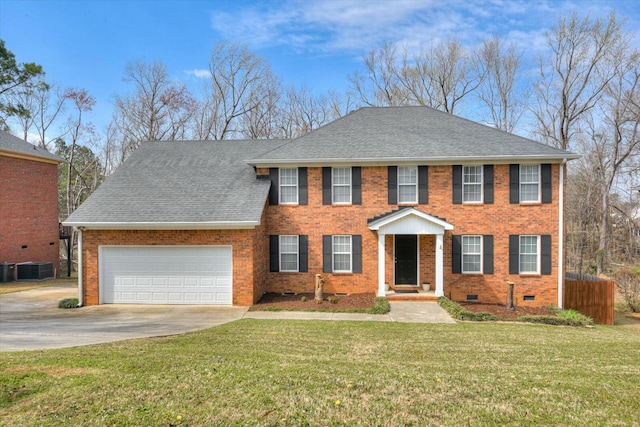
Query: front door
{"points": [[406, 253]]}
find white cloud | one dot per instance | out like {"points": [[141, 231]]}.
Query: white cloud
{"points": [[199, 73]]}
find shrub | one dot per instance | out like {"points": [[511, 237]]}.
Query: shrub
{"points": [[303, 299], [628, 279], [380, 306], [333, 300], [68, 303], [458, 312]]}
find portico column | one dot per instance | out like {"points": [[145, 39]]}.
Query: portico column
{"points": [[439, 265], [381, 257]]}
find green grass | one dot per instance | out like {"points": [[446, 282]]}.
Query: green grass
{"points": [[277, 372]]}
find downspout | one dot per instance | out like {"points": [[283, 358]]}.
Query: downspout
{"points": [[561, 234], [80, 288]]}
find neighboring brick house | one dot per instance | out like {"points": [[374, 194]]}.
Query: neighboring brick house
{"points": [[28, 202], [399, 196]]}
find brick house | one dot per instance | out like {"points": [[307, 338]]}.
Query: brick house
{"points": [[28, 202], [383, 197]]}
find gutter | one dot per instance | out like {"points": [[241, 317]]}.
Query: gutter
{"points": [[80, 286], [217, 225], [561, 234]]}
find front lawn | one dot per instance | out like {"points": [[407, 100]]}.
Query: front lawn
{"points": [[277, 372]]}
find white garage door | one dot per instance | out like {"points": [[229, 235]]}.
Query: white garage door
{"points": [[166, 274]]}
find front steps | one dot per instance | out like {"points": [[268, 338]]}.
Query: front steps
{"points": [[391, 295]]}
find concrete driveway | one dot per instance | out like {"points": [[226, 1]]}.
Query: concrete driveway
{"points": [[31, 320]]}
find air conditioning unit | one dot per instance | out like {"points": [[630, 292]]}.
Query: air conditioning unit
{"points": [[35, 271]]}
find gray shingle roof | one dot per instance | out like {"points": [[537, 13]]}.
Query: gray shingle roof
{"points": [[406, 134], [192, 184], [14, 145]]}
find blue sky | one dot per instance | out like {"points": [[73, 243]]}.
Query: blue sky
{"points": [[316, 43]]}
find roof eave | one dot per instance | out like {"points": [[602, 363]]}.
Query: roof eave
{"points": [[377, 161], [35, 157], [211, 225]]}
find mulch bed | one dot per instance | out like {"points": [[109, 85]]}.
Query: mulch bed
{"points": [[502, 312], [272, 300]]}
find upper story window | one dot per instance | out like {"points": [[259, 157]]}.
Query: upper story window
{"points": [[288, 186], [529, 262], [341, 185], [472, 184], [471, 254], [529, 183], [407, 184]]}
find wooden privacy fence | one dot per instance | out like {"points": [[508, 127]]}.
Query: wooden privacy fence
{"points": [[593, 298]]}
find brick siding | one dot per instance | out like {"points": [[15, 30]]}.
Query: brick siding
{"points": [[28, 211]]}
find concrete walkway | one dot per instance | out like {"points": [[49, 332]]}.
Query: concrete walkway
{"points": [[31, 320], [401, 311]]}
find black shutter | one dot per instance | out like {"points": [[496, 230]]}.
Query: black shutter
{"points": [[487, 256], [303, 253], [326, 186], [356, 247], [303, 193], [545, 179], [545, 254], [356, 185], [456, 254], [514, 254], [392, 185], [514, 183], [488, 184], [327, 254], [457, 184], [275, 185], [423, 185], [274, 253]]}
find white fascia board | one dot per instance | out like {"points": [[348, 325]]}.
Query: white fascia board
{"points": [[218, 225], [412, 161], [375, 225]]}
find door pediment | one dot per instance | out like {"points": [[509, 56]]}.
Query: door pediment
{"points": [[408, 221]]}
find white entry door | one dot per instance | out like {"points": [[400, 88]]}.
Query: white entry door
{"points": [[166, 274]]}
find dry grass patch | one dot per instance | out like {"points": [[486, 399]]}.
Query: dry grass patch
{"points": [[276, 372]]}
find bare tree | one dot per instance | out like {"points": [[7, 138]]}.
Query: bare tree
{"points": [[240, 83], [573, 78], [158, 109], [613, 136], [499, 91], [381, 86], [439, 77]]}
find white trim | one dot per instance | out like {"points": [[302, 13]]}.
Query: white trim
{"points": [[333, 253], [297, 186], [297, 253], [350, 174], [481, 184], [561, 233], [462, 253], [382, 222], [428, 161], [416, 184], [205, 225], [439, 265], [80, 272], [381, 265]]}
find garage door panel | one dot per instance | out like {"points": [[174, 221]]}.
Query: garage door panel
{"points": [[166, 275]]}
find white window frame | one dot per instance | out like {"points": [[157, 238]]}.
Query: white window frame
{"points": [[463, 253], [523, 183], [521, 254], [281, 252], [472, 184], [334, 253], [281, 185], [348, 185], [415, 185]]}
